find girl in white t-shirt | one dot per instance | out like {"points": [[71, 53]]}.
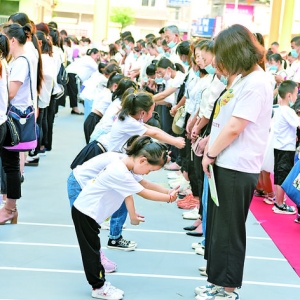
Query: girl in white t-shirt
{"points": [[19, 96], [104, 194]]}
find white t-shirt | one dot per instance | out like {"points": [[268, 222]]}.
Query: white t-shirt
{"points": [[91, 168], [250, 98], [105, 124], [189, 85], [49, 72], [175, 82], [19, 71], [121, 131], [294, 71], [93, 86], [102, 196], [58, 56], [3, 92], [84, 67], [129, 60], [102, 100], [285, 126]]}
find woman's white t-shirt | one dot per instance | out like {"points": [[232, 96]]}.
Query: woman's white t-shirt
{"points": [[121, 131], [250, 98], [175, 82], [84, 67], [189, 85], [285, 125], [49, 72], [102, 100], [93, 86], [102, 196], [19, 71], [3, 92]]}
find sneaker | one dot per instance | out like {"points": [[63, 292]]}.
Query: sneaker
{"points": [[204, 289], [284, 209], [196, 245], [109, 266], [191, 215], [42, 152], [108, 292], [202, 269], [270, 198], [259, 193], [297, 220], [203, 273], [219, 293], [32, 161], [174, 175], [121, 244], [199, 251]]}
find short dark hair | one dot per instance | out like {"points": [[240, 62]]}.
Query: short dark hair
{"points": [[124, 34], [64, 32], [183, 48], [275, 44], [129, 39], [236, 50], [162, 30], [165, 63], [296, 40], [287, 86], [92, 50], [20, 18], [53, 24], [150, 36]]}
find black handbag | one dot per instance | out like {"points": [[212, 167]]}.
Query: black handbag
{"points": [[12, 136]]}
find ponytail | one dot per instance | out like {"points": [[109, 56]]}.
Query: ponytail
{"points": [[156, 153], [179, 67], [40, 76], [93, 50], [134, 103], [115, 77], [165, 63]]}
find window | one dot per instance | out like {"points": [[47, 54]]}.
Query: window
{"points": [[152, 2], [145, 2]]}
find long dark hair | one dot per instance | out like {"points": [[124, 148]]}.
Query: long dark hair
{"points": [[165, 63], [156, 153], [46, 47], [124, 84], [134, 103]]}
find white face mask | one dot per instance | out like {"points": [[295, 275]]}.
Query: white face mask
{"points": [[167, 76]]}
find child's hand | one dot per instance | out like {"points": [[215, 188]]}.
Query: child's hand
{"points": [[173, 194], [180, 142], [137, 219]]}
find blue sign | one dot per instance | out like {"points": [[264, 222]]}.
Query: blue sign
{"points": [[178, 2], [203, 27]]}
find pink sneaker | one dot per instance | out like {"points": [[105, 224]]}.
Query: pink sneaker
{"points": [[109, 266]]}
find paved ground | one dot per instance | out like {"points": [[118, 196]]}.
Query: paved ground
{"points": [[40, 259]]}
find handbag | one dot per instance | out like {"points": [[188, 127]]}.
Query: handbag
{"points": [[178, 125], [12, 136], [25, 124], [291, 184]]}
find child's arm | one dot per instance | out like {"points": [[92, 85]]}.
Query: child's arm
{"points": [[156, 187], [135, 218], [157, 196]]}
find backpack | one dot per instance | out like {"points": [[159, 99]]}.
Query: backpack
{"points": [[62, 76]]}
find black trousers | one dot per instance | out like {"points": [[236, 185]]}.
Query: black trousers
{"points": [[50, 121], [199, 177], [39, 122], [87, 231], [225, 241], [72, 90], [89, 125]]}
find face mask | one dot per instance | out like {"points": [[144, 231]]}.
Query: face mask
{"points": [[291, 104], [210, 69], [186, 63], [135, 56], [294, 53], [167, 76], [160, 50], [128, 47], [167, 54], [224, 79], [146, 79], [158, 80], [122, 52], [197, 73], [171, 44], [273, 68]]}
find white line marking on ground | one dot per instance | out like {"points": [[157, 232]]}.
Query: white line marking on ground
{"points": [[131, 229], [297, 286], [137, 249]]}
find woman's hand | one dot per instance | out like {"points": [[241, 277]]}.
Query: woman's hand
{"points": [[278, 78], [195, 133], [136, 219], [179, 143], [174, 110], [206, 162]]}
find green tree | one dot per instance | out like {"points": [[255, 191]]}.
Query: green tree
{"points": [[123, 15]]}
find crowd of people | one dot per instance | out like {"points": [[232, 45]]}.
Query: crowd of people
{"points": [[224, 108]]}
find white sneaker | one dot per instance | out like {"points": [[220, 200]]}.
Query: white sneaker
{"points": [[181, 182], [202, 269], [196, 245], [173, 175], [203, 273], [199, 251], [202, 290], [108, 292], [191, 215]]}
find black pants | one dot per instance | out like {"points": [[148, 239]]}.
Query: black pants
{"points": [[39, 122], [50, 121], [225, 241], [89, 125], [199, 177], [87, 231], [72, 90]]}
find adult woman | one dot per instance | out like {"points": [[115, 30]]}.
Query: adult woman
{"points": [[19, 96], [236, 147], [83, 68], [114, 53]]}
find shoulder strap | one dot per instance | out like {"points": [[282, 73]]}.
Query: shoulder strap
{"points": [[29, 76]]}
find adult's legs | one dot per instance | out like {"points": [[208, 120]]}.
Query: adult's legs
{"points": [[73, 92], [50, 121]]}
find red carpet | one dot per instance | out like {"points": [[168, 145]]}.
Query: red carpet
{"points": [[282, 229]]}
